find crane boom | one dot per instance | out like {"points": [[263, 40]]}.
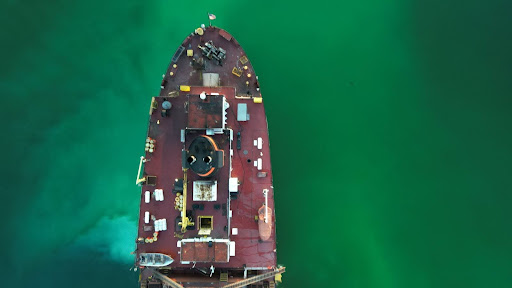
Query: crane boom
{"points": [[184, 219]]}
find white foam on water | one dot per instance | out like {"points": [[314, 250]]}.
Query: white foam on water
{"points": [[114, 238]]}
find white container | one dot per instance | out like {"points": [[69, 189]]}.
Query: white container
{"points": [[147, 196], [146, 217], [233, 184], [159, 195], [231, 248]]}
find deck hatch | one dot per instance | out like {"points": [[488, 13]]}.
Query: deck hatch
{"points": [[205, 225], [178, 54], [208, 113]]}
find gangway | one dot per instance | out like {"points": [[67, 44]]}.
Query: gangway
{"points": [[166, 280], [255, 279]]}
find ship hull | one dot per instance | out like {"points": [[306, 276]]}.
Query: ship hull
{"points": [[206, 171]]}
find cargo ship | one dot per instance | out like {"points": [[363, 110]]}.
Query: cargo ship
{"points": [[207, 213]]}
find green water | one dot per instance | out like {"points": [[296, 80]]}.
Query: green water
{"points": [[389, 124]]}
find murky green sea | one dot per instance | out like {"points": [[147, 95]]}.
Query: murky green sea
{"points": [[390, 125]]}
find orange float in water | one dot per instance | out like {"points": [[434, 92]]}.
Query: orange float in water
{"points": [[264, 227]]}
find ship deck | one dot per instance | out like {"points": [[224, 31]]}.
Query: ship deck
{"points": [[166, 163]]}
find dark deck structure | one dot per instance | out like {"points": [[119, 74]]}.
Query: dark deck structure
{"points": [[220, 101]]}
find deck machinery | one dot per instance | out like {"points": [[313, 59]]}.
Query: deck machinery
{"points": [[207, 199]]}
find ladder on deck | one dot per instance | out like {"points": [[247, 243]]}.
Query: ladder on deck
{"points": [[255, 279], [223, 277], [168, 281]]}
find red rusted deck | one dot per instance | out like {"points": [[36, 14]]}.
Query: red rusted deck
{"points": [[165, 162], [201, 252]]}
